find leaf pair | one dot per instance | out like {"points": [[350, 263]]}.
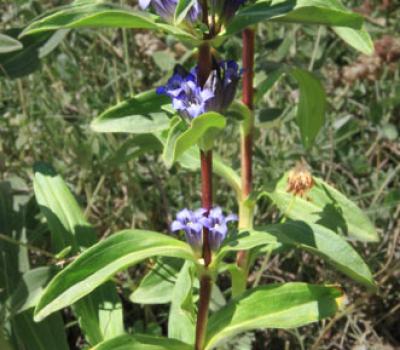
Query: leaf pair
{"points": [[287, 305]]}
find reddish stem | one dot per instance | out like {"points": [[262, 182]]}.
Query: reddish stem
{"points": [[202, 315], [248, 39], [204, 70], [206, 198]]}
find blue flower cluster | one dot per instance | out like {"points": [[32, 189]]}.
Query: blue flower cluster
{"points": [[193, 222], [166, 8], [192, 100]]}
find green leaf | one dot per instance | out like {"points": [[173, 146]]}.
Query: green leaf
{"points": [[29, 289], [202, 131], [102, 15], [312, 105], [100, 262], [142, 342], [158, 285], [324, 243], [244, 240], [99, 314], [9, 44], [27, 60], [267, 84], [46, 335], [138, 115], [358, 39], [91, 16], [324, 12], [287, 305], [326, 206], [67, 224], [182, 315], [182, 9]]}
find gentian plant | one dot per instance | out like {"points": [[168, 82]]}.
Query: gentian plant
{"points": [[187, 114]]}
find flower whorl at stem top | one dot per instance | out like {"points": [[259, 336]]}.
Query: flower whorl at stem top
{"points": [[192, 100], [166, 8], [193, 223]]}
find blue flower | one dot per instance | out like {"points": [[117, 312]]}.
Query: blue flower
{"points": [[166, 8], [190, 222], [216, 223], [192, 100], [193, 223]]}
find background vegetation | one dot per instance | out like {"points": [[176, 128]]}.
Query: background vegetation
{"points": [[45, 116]]}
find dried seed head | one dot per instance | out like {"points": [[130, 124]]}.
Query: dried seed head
{"points": [[300, 180]]}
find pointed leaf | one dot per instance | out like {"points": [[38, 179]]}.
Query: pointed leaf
{"points": [[358, 39], [100, 262], [182, 9], [138, 115], [326, 206], [64, 216], [182, 317], [142, 342], [287, 305], [324, 243], [91, 16], [312, 105], [46, 335], [324, 12], [9, 44], [30, 289], [99, 314]]}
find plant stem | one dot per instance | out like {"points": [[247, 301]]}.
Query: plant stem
{"points": [[204, 70], [206, 198], [248, 39], [202, 315]]}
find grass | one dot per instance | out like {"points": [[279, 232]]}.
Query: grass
{"points": [[45, 117]]}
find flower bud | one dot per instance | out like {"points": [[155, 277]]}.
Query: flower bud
{"points": [[300, 180]]}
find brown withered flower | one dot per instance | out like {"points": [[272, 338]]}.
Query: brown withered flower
{"points": [[300, 180]]}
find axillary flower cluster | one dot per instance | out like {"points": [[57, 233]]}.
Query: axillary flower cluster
{"points": [[224, 9], [192, 100], [193, 223]]}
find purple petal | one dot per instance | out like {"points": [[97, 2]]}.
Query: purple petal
{"points": [[144, 4], [184, 214], [231, 217], [177, 226]]}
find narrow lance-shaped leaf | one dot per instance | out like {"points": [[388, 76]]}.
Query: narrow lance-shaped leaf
{"points": [[100, 262], [9, 44], [322, 242], [274, 306], [140, 114], [326, 206], [328, 12], [324, 12], [182, 9], [91, 16], [142, 342], [312, 105], [86, 14], [182, 318], [358, 39], [100, 313]]}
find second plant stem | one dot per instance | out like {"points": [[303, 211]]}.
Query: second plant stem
{"points": [[204, 69], [245, 208]]}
